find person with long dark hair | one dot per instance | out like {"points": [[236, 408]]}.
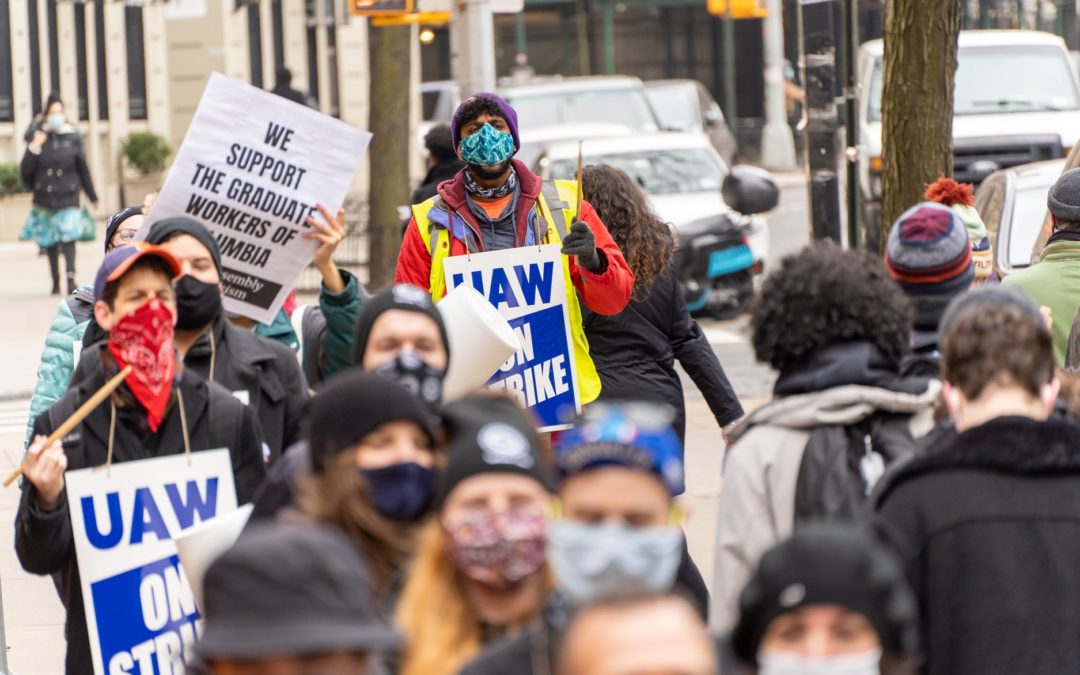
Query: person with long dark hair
{"points": [[635, 350]]}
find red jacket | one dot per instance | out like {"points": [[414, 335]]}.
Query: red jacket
{"points": [[605, 293]]}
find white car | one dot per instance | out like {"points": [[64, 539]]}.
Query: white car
{"points": [[681, 174], [615, 100], [1016, 101]]}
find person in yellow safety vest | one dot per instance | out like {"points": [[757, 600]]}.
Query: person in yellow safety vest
{"points": [[497, 203]]}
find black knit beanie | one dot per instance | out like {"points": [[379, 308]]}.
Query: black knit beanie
{"points": [[352, 405], [829, 564], [403, 296], [489, 434], [164, 230], [116, 220]]}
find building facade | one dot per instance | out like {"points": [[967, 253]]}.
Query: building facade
{"points": [[122, 67]]}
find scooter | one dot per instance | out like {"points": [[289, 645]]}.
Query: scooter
{"points": [[715, 263]]}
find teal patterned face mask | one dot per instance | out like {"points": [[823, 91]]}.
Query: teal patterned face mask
{"points": [[487, 147]]}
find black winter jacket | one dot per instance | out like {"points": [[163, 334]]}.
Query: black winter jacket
{"points": [[262, 371], [988, 527], [428, 188], [58, 172], [635, 351], [43, 539]]}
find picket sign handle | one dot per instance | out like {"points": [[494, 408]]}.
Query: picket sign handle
{"points": [[84, 410]]}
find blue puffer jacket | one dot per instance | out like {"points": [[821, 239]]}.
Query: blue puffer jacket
{"points": [[59, 356]]}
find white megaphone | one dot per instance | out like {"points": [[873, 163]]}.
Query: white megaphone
{"points": [[201, 545], [481, 339]]}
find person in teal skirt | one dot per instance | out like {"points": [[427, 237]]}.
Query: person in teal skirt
{"points": [[54, 168]]}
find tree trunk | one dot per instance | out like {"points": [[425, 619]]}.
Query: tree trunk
{"points": [[389, 49], [917, 101]]}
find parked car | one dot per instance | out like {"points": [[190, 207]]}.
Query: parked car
{"points": [[438, 100], [683, 177], [577, 100], [1016, 101], [686, 105], [1012, 203]]}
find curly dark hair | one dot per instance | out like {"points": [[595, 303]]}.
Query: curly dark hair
{"points": [[474, 107], [440, 142], [644, 239], [824, 295]]}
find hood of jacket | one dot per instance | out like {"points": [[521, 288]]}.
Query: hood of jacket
{"points": [[1014, 445], [842, 385]]}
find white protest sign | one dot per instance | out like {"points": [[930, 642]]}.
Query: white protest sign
{"points": [[527, 286], [140, 610], [252, 167]]}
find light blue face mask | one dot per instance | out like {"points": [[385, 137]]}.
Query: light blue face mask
{"points": [[781, 663], [55, 121], [487, 147], [594, 562]]}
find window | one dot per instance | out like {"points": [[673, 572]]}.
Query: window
{"points": [[254, 23], [658, 172], [54, 46], [136, 62], [81, 75], [35, 57], [102, 70], [313, 60], [7, 94], [277, 19]]}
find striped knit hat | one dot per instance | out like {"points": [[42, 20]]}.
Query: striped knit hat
{"points": [[929, 253]]}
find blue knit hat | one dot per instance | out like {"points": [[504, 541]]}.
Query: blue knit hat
{"points": [[632, 435]]}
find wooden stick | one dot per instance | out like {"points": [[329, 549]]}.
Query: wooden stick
{"points": [[84, 410]]}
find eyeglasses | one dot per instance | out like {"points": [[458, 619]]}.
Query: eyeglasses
{"points": [[126, 235]]}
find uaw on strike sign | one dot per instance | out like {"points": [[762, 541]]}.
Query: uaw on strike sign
{"points": [[140, 610], [528, 288], [253, 166]]}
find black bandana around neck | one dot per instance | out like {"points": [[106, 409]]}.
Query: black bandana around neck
{"points": [[490, 193]]}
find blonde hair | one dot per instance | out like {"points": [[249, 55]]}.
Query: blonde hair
{"points": [[442, 630]]}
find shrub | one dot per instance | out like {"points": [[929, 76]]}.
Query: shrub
{"points": [[146, 152], [10, 180]]}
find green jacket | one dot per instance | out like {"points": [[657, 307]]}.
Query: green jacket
{"points": [[325, 343], [62, 343], [1055, 283]]}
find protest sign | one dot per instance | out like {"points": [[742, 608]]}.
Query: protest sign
{"points": [[140, 610], [253, 166], [527, 286]]}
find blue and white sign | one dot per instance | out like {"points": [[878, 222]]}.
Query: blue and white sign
{"points": [[140, 610], [528, 288]]}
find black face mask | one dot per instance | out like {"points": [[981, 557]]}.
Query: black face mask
{"points": [[401, 492], [197, 303], [421, 380]]}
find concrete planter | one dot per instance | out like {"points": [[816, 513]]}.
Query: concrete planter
{"points": [[137, 186], [13, 212]]}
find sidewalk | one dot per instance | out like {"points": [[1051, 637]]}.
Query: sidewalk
{"points": [[28, 309]]}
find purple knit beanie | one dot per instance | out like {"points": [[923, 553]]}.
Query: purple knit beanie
{"points": [[508, 113]]}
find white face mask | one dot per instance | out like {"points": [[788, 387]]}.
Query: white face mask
{"points": [[781, 663]]}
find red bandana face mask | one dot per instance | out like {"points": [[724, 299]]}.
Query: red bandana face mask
{"points": [[143, 339]]}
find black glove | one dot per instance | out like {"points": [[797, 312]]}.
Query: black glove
{"points": [[582, 243]]}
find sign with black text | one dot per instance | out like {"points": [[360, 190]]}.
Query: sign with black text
{"points": [[527, 286], [252, 168], [140, 610]]}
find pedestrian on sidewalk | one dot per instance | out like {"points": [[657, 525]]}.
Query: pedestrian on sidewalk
{"points": [[619, 532], [835, 326], [291, 599], [73, 326], [54, 168], [479, 572], [988, 526], [442, 162], [1054, 281], [830, 599], [635, 350], [262, 373], [628, 636], [283, 88], [496, 203], [133, 290], [399, 335]]}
